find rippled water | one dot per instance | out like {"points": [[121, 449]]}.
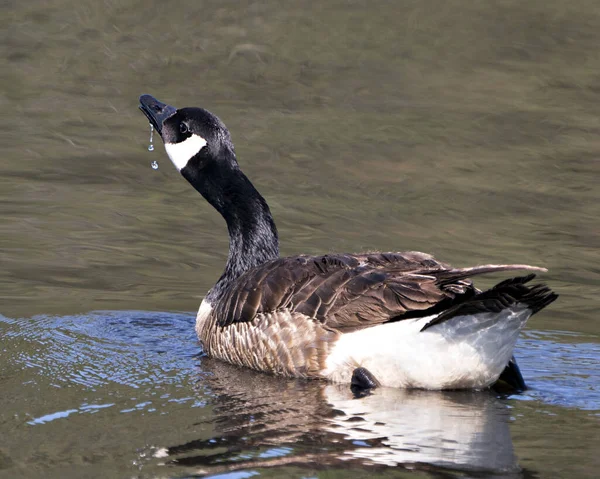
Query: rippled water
{"points": [[468, 130], [127, 393]]}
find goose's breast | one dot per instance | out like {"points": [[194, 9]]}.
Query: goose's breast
{"points": [[282, 342]]}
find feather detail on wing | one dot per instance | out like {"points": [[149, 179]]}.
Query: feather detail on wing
{"points": [[349, 292]]}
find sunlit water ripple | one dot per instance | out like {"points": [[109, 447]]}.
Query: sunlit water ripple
{"points": [[131, 348]]}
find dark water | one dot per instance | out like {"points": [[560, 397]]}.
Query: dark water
{"points": [[470, 131]]}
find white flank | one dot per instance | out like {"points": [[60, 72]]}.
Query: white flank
{"points": [[463, 352], [180, 153]]}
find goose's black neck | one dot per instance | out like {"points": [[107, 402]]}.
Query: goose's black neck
{"points": [[253, 236]]}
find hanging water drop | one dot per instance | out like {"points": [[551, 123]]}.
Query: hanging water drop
{"points": [[154, 165], [151, 146]]}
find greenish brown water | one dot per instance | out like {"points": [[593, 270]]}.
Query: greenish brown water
{"points": [[463, 129]]}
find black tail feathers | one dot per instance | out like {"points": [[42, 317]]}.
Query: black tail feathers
{"points": [[502, 296]]}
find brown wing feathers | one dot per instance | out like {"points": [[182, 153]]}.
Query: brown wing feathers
{"points": [[348, 292], [310, 285]]}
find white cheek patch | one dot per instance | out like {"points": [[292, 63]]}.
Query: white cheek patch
{"points": [[180, 153]]}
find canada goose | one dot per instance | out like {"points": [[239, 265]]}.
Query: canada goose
{"points": [[389, 319]]}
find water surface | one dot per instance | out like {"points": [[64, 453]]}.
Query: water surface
{"points": [[126, 393]]}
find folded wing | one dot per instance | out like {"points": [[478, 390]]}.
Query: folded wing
{"points": [[350, 292]]}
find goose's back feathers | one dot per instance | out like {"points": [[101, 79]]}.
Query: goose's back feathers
{"points": [[349, 292]]}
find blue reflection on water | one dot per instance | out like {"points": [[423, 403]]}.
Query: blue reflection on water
{"points": [[131, 348], [52, 417], [85, 408], [558, 372]]}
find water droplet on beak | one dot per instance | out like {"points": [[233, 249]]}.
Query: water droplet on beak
{"points": [[154, 164], [151, 146]]}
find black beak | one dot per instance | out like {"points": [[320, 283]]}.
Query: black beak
{"points": [[156, 112]]}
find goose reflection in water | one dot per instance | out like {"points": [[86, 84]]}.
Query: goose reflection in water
{"points": [[262, 421], [453, 429]]}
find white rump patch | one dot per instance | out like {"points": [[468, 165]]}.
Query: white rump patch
{"points": [[180, 153]]}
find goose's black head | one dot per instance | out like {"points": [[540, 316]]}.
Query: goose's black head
{"points": [[193, 137], [199, 145]]}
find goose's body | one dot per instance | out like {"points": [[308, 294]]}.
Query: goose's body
{"points": [[393, 319]]}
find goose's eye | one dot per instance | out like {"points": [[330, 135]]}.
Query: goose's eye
{"points": [[183, 128]]}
